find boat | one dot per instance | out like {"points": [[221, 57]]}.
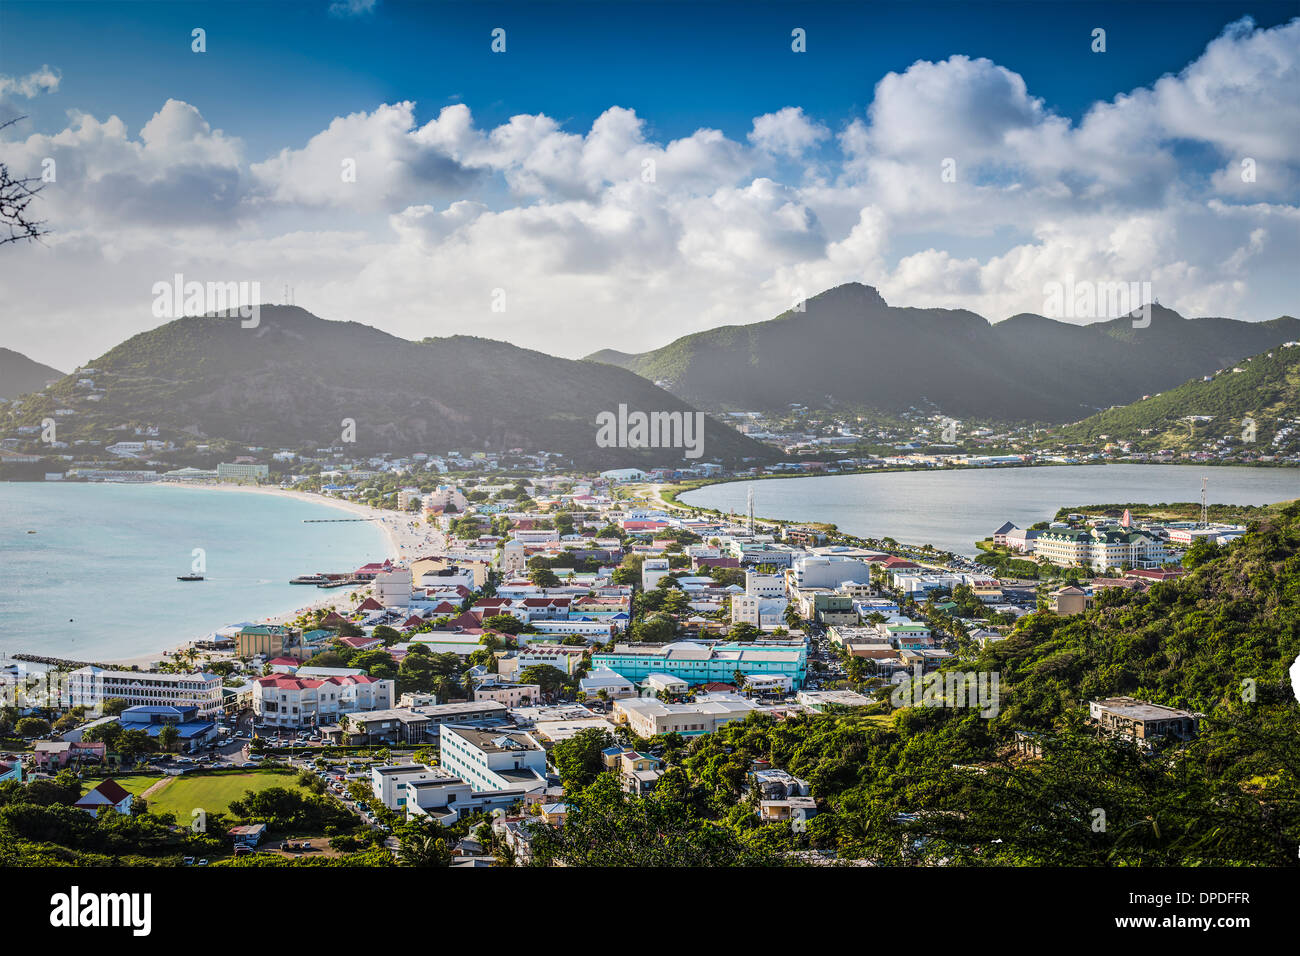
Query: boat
{"points": [[309, 579], [189, 577]]}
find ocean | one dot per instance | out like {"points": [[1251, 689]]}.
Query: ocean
{"points": [[97, 581], [953, 509]]}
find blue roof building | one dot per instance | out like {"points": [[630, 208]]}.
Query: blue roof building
{"points": [[194, 730]]}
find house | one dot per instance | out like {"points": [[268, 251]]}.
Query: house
{"points": [[54, 755], [11, 770], [1000, 535], [249, 834], [782, 797], [108, 795], [615, 685], [1139, 720], [510, 694], [637, 772]]}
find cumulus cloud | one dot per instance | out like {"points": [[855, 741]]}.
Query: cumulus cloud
{"points": [[611, 236], [44, 80]]}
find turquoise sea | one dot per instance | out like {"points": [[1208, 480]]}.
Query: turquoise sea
{"points": [[97, 581], [953, 509]]}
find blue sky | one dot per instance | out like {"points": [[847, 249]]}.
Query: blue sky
{"points": [[778, 174], [680, 65]]}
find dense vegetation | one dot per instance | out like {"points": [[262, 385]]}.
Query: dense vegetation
{"points": [[1264, 389]]}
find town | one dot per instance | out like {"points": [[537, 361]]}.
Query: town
{"points": [[557, 628]]}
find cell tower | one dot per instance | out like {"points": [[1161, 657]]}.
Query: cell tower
{"points": [[751, 510], [1205, 523]]}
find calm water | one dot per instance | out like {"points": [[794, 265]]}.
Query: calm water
{"points": [[953, 509], [98, 579]]}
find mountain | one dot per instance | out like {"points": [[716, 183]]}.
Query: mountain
{"points": [[293, 380], [849, 347], [1264, 389], [20, 375]]}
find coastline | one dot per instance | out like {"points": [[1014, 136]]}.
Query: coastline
{"points": [[406, 537]]}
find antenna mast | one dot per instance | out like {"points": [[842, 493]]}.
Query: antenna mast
{"points": [[1204, 509]]}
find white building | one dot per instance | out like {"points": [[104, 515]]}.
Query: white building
{"points": [[90, 686], [764, 585], [648, 716], [758, 611], [828, 571], [653, 570], [393, 588], [283, 701], [492, 759]]}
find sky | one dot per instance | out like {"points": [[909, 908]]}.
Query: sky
{"points": [[622, 174]]}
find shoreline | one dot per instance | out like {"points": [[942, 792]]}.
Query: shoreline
{"points": [[406, 537]]}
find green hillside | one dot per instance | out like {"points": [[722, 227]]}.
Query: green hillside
{"points": [[1264, 389], [294, 379]]}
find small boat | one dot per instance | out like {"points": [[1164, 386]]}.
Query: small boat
{"points": [[31, 532], [189, 577]]}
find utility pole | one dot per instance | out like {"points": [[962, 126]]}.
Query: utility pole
{"points": [[1204, 508]]}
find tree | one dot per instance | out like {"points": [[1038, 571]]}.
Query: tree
{"points": [[389, 635], [743, 631], [544, 578], [32, 727], [16, 194], [550, 679], [376, 663], [168, 737], [578, 760], [657, 628], [423, 845], [503, 623]]}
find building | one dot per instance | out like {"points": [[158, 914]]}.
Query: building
{"points": [[656, 684], [242, 472], [653, 570], [563, 657], [637, 772], [192, 730], [828, 571], [782, 797], [492, 759], [762, 612], [698, 663], [393, 588], [388, 784], [614, 685], [1138, 720], [647, 716], [108, 796], [90, 686], [1100, 548], [1070, 600], [824, 701], [419, 724], [268, 640], [511, 695], [283, 701]]}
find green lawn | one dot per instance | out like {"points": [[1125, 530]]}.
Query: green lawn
{"points": [[136, 783], [213, 792]]}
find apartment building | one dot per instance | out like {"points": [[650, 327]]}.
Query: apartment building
{"points": [[492, 759], [90, 686], [284, 701], [764, 612]]}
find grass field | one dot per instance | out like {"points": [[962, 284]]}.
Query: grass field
{"points": [[212, 792]]}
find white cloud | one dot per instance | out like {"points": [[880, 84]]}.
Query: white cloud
{"points": [[44, 80], [594, 251]]}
